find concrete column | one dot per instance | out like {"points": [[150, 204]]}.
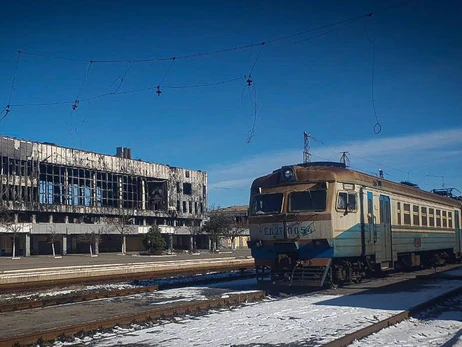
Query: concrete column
{"points": [[191, 242], [33, 218], [50, 218], [64, 245], [170, 241], [96, 247], [27, 248], [121, 192], [124, 244], [93, 191], [210, 244], [143, 194], [66, 219], [144, 222]]}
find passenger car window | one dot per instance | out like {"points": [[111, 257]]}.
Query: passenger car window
{"points": [[346, 201]]}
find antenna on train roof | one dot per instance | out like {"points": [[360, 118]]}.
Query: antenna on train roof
{"points": [[344, 158], [306, 148]]}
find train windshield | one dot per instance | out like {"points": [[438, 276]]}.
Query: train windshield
{"points": [[266, 204], [310, 200]]}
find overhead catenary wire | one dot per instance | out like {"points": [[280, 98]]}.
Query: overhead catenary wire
{"points": [[7, 109], [139, 90], [372, 40], [340, 24]]}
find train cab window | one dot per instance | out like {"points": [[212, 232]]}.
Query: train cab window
{"points": [[438, 218], [310, 200], [398, 210], [431, 217], [346, 201], [266, 204], [445, 219], [423, 214], [449, 219], [407, 214]]}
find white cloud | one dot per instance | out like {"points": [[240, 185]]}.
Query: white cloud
{"points": [[401, 153]]}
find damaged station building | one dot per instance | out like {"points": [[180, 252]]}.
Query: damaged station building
{"points": [[52, 193]]}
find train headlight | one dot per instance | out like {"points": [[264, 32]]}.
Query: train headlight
{"points": [[288, 174]]}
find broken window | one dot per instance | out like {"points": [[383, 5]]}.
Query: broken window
{"points": [[187, 188]]}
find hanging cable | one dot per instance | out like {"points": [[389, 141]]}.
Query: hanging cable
{"points": [[75, 105], [121, 78], [340, 24], [372, 40], [7, 109], [158, 90]]}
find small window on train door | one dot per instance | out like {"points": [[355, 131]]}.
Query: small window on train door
{"points": [[346, 202]]}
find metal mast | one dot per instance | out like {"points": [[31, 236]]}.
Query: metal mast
{"points": [[306, 150], [344, 159]]}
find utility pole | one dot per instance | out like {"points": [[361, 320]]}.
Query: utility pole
{"points": [[306, 150], [344, 158]]}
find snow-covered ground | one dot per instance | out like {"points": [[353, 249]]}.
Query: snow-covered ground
{"points": [[442, 325], [296, 320], [116, 286]]}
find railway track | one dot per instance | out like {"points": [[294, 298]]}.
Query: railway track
{"points": [[154, 314], [123, 275], [102, 293], [393, 320]]}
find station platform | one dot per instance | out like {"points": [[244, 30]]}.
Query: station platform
{"points": [[48, 268]]}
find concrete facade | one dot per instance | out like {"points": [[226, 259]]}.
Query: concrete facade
{"points": [[56, 193]]}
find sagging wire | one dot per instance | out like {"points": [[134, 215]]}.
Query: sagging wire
{"points": [[75, 105], [158, 90], [340, 24], [7, 109], [104, 95], [372, 40], [121, 78], [345, 24], [250, 86], [252, 89]]}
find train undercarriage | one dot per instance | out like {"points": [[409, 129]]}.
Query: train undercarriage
{"points": [[288, 271]]}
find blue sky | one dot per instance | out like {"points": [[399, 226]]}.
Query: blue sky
{"points": [[321, 85]]}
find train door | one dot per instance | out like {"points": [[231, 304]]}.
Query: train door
{"points": [[458, 232], [385, 222], [372, 231]]}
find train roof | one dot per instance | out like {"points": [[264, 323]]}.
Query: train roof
{"points": [[338, 172]]}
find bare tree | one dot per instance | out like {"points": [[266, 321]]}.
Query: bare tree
{"points": [[194, 231], [237, 228], [53, 237], [91, 238], [122, 225], [9, 222], [216, 227]]}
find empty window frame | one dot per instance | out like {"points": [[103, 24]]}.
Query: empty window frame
{"points": [[407, 214], [184, 207], [187, 188], [346, 202], [431, 217], [438, 218], [423, 215], [415, 215]]}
